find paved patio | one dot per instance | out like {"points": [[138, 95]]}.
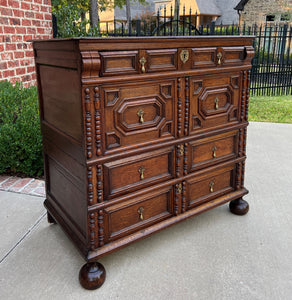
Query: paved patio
{"points": [[215, 255], [28, 186]]}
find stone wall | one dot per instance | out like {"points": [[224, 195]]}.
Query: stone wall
{"points": [[20, 21], [256, 11]]}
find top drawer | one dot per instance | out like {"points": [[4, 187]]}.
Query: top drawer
{"points": [[119, 62], [162, 60], [134, 62], [217, 56]]}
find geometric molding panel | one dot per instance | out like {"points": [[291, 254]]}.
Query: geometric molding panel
{"points": [[166, 129], [234, 81], [166, 90], [127, 117], [196, 122], [111, 96], [198, 85], [112, 140], [233, 115], [214, 101]]}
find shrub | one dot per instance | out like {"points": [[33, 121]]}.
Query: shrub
{"points": [[20, 136], [71, 19]]}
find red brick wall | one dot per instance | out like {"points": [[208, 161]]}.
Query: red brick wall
{"points": [[20, 21]]}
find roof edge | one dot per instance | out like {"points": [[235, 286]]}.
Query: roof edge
{"points": [[240, 5]]}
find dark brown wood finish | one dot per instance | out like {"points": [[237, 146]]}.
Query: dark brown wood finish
{"points": [[92, 275], [139, 134]]}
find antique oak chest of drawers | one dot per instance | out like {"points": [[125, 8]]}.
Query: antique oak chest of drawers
{"points": [[139, 134]]}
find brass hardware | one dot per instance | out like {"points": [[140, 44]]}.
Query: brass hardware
{"points": [[179, 188], [219, 56], [141, 171], [211, 186], [140, 114], [216, 100], [140, 212], [181, 149], [214, 149], [143, 62], [184, 56]]}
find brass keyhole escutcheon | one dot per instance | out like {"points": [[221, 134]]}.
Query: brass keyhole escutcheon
{"points": [[143, 62], [184, 56], [140, 212], [219, 56], [211, 186], [141, 171], [140, 114], [216, 101], [214, 149]]}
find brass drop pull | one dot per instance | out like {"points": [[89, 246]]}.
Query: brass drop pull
{"points": [[211, 186], [216, 101], [140, 114], [214, 149], [141, 171], [219, 56], [143, 62], [140, 212]]}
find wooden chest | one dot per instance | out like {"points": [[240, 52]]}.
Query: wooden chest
{"points": [[139, 134]]}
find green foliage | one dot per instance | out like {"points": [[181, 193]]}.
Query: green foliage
{"points": [[121, 3], [271, 57], [277, 109], [71, 21], [20, 136], [72, 16]]}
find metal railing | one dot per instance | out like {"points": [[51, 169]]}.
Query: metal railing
{"points": [[272, 64]]}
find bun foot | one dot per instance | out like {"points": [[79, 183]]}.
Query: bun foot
{"points": [[239, 207], [92, 275], [51, 220]]}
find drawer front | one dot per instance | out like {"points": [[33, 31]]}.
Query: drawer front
{"points": [[203, 57], [119, 62], [161, 60], [214, 101], [208, 186], [129, 174], [138, 113], [138, 212], [213, 56], [211, 150], [233, 55]]}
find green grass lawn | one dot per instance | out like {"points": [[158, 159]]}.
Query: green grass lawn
{"points": [[277, 109]]}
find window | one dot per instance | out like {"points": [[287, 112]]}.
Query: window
{"points": [[270, 18], [285, 17]]}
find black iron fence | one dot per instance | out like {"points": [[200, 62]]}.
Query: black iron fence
{"points": [[166, 24], [272, 64], [271, 67]]}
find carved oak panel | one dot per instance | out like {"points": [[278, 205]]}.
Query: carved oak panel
{"points": [[209, 185], [139, 113], [136, 213], [214, 101], [128, 174]]}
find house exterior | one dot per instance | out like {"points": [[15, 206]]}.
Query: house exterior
{"points": [[220, 11], [261, 12], [21, 21], [228, 15]]}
